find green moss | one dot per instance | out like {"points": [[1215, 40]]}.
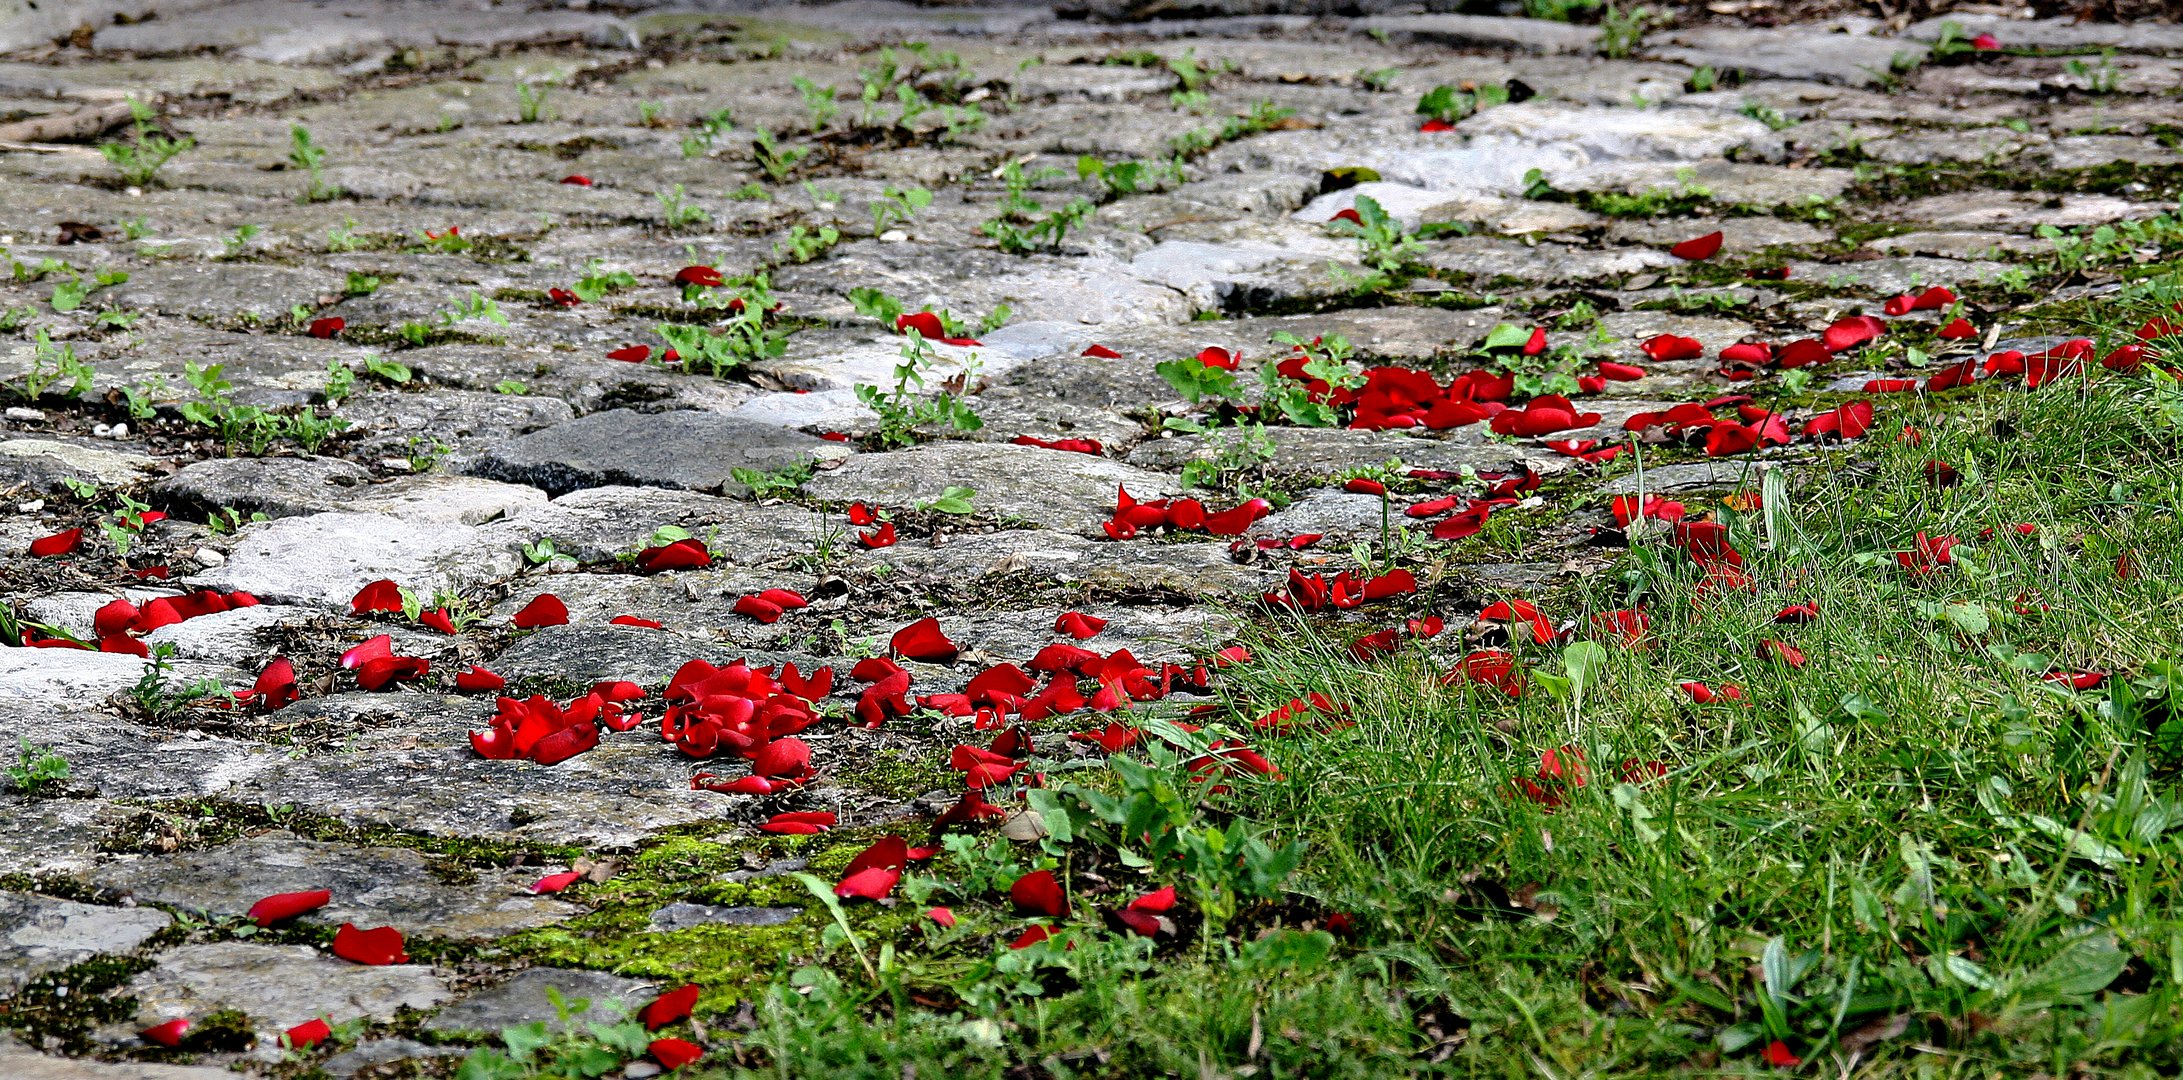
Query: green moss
{"points": [[899, 775], [66, 1006], [1892, 183], [728, 961]]}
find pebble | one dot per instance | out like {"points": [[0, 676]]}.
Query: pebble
{"points": [[27, 415]]}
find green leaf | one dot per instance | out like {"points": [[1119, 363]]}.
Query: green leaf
{"points": [[1506, 336], [525, 1040], [954, 500], [1582, 660], [2081, 968]]}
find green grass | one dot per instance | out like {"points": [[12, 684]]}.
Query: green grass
{"points": [[1910, 855]]}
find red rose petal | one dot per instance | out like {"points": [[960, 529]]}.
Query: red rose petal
{"points": [[168, 1033], [1696, 248], [673, 1054], [308, 1034], [669, 1007], [1039, 893], [375, 947], [281, 907], [544, 610], [60, 543]]}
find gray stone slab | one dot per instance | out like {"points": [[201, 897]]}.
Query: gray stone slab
{"points": [[1481, 32], [44, 465], [39, 934], [371, 886], [688, 450], [683, 916], [274, 486], [1790, 52], [277, 986], [1073, 492], [522, 1000], [326, 558], [19, 1063]]}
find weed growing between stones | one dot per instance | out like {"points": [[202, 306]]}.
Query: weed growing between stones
{"points": [[148, 150]]}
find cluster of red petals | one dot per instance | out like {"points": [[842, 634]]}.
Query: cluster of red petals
{"points": [[1928, 554], [1317, 592], [873, 874], [275, 688], [1933, 299], [119, 623], [799, 822], [1542, 416], [1183, 514], [327, 327], [1697, 423], [537, 729], [1561, 771], [752, 712], [1314, 713], [377, 667], [1706, 695]]}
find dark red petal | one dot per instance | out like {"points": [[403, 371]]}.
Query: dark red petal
{"points": [[1038, 893]]}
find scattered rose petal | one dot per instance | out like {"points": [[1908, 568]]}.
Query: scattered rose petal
{"points": [[281, 907], [375, 947], [673, 1054], [168, 1033], [1039, 893], [669, 1007], [308, 1034], [545, 609], [553, 883], [60, 543], [1702, 247]]}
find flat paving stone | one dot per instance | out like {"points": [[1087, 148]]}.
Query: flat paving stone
{"points": [[20, 1063], [326, 558], [276, 986], [40, 935], [1073, 492], [696, 451], [522, 1000]]}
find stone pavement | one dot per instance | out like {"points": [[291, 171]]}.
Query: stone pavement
{"points": [[494, 452]]}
